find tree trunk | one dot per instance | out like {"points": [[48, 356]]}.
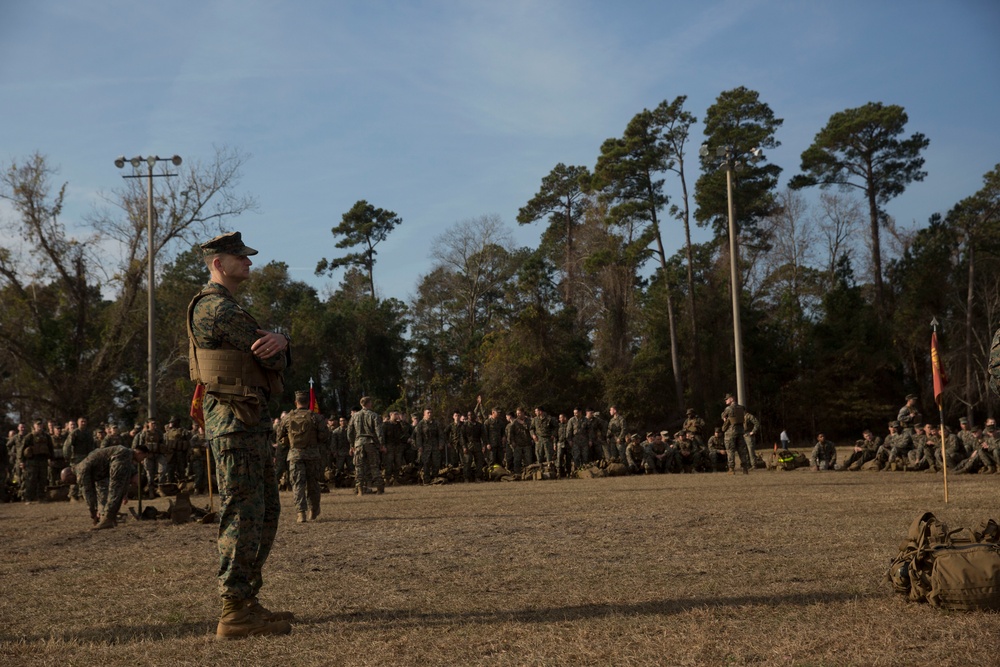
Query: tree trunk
{"points": [[968, 330]]}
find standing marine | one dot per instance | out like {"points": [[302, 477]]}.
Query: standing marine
{"points": [[241, 366]]}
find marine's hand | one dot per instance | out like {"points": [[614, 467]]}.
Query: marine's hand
{"points": [[269, 344]]}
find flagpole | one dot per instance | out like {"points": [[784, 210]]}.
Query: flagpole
{"points": [[938, 390]]}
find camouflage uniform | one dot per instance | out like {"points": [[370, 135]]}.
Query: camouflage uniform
{"points": [[635, 456], [429, 441], [392, 438], [751, 427], [824, 454], [363, 433], [474, 455], [104, 477], [493, 434], [305, 434], [909, 416], [543, 429], [173, 454], [894, 448], [519, 440], [152, 438], [341, 449], [36, 450], [616, 434], [864, 451], [578, 434], [599, 438], [79, 444], [717, 458], [238, 430], [197, 464], [732, 428]]}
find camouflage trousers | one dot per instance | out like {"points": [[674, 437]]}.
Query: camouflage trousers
{"points": [[35, 478], [430, 462], [580, 452], [544, 451], [735, 444], [306, 475], [165, 469], [368, 464], [522, 458], [393, 460], [248, 516]]}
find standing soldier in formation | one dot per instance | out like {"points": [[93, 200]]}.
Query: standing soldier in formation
{"points": [[305, 434], [341, 447], [222, 337], [519, 440], [363, 434], [78, 446], [172, 458], [578, 433], [36, 450], [493, 434], [429, 440], [732, 427], [543, 429], [152, 437], [475, 433], [599, 436], [454, 439], [616, 433], [197, 461], [280, 456], [393, 439], [562, 447]]}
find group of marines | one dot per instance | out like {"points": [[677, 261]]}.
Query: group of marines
{"points": [[913, 445], [34, 458]]}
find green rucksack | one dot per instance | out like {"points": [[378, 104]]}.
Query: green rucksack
{"points": [[950, 569], [301, 427]]}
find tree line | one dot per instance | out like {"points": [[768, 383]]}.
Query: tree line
{"points": [[836, 298]]}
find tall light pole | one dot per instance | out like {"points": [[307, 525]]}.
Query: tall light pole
{"points": [[727, 155], [136, 162]]}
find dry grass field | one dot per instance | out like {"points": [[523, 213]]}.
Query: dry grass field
{"points": [[775, 568]]}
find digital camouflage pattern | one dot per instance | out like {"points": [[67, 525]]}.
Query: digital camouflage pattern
{"points": [[248, 490], [104, 478], [363, 433], [305, 464]]}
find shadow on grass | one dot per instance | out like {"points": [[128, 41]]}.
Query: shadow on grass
{"points": [[585, 612], [130, 634]]}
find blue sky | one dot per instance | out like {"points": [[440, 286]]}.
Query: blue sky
{"points": [[446, 111]]}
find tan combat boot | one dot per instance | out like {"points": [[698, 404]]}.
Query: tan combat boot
{"points": [[106, 521], [314, 512], [238, 621], [300, 517], [263, 612]]}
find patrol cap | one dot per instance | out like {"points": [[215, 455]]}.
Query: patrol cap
{"points": [[963, 420], [728, 396], [690, 411], [650, 434], [230, 244], [664, 434], [301, 396], [893, 424], [911, 397]]}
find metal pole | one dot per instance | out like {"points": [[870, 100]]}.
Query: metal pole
{"points": [[734, 274], [152, 303]]}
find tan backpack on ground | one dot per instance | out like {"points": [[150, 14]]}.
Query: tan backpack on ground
{"points": [[950, 569]]}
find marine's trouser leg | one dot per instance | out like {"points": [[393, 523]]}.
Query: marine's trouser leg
{"points": [[248, 516]]}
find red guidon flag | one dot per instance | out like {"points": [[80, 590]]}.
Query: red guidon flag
{"points": [[197, 411], [313, 404], [940, 379]]}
